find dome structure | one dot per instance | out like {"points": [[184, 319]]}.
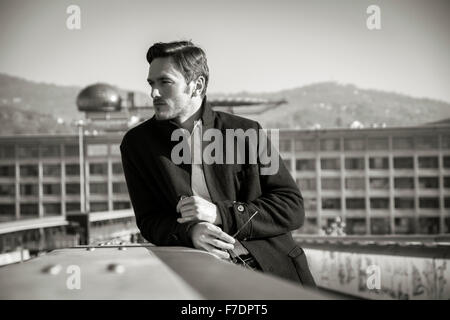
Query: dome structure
{"points": [[99, 97]]}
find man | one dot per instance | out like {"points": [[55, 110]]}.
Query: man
{"points": [[199, 204]]}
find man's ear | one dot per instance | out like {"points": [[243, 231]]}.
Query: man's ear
{"points": [[199, 86]]}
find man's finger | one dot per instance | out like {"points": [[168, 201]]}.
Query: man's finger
{"points": [[182, 201], [221, 244], [218, 233], [189, 212], [187, 219], [219, 253]]}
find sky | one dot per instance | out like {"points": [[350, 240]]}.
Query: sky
{"points": [[255, 46]]}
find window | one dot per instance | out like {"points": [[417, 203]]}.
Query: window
{"points": [[379, 163], [73, 188], [52, 209], [72, 169], [50, 151], [331, 203], [402, 143], [121, 205], [446, 182], [379, 203], [404, 183], [447, 202], [330, 144], [117, 168], [285, 145], [120, 188], [379, 183], [331, 184], [428, 162], [380, 226], [305, 164], [403, 163], [378, 144], [427, 142], [354, 144], [354, 163], [404, 225], [446, 161], [306, 145], [355, 226], [52, 189], [98, 169], [310, 204], [29, 170], [7, 212], [8, 171], [98, 206], [445, 142], [73, 206], [428, 182], [330, 163], [404, 203], [28, 189], [51, 170], [71, 150], [97, 150], [428, 225], [98, 188], [29, 210], [355, 183], [307, 183], [8, 190], [7, 152], [28, 152], [428, 203], [355, 203]]}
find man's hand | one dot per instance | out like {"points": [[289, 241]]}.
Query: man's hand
{"points": [[211, 238], [196, 208]]}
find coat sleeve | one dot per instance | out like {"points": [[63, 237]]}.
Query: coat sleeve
{"points": [[154, 223], [280, 205]]}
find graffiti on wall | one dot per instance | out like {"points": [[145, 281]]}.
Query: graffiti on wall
{"points": [[400, 277]]}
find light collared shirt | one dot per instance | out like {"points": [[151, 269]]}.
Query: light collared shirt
{"points": [[198, 181]]}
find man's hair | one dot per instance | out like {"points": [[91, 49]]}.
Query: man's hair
{"points": [[189, 59]]}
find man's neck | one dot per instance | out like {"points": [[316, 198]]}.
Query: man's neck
{"points": [[187, 121]]}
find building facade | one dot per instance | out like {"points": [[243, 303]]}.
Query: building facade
{"points": [[378, 181]]}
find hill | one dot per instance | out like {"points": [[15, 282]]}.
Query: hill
{"points": [[31, 107]]}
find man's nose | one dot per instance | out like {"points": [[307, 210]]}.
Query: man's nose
{"points": [[155, 93]]}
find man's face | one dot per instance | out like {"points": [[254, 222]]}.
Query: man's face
{"points": [[172, 96]]}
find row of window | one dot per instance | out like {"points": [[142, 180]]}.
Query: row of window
{"points": [[375, 203], [425, 142], [54, 170], [33, 151], [373, 143], [402, 225], [375, 183], [8, 211], [376, 163], [30, 189]]}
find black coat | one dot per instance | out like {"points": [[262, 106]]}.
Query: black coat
{"points": [[155, 185]]}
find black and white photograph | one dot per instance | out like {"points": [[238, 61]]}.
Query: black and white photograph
{"points": [[225, 155]]}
